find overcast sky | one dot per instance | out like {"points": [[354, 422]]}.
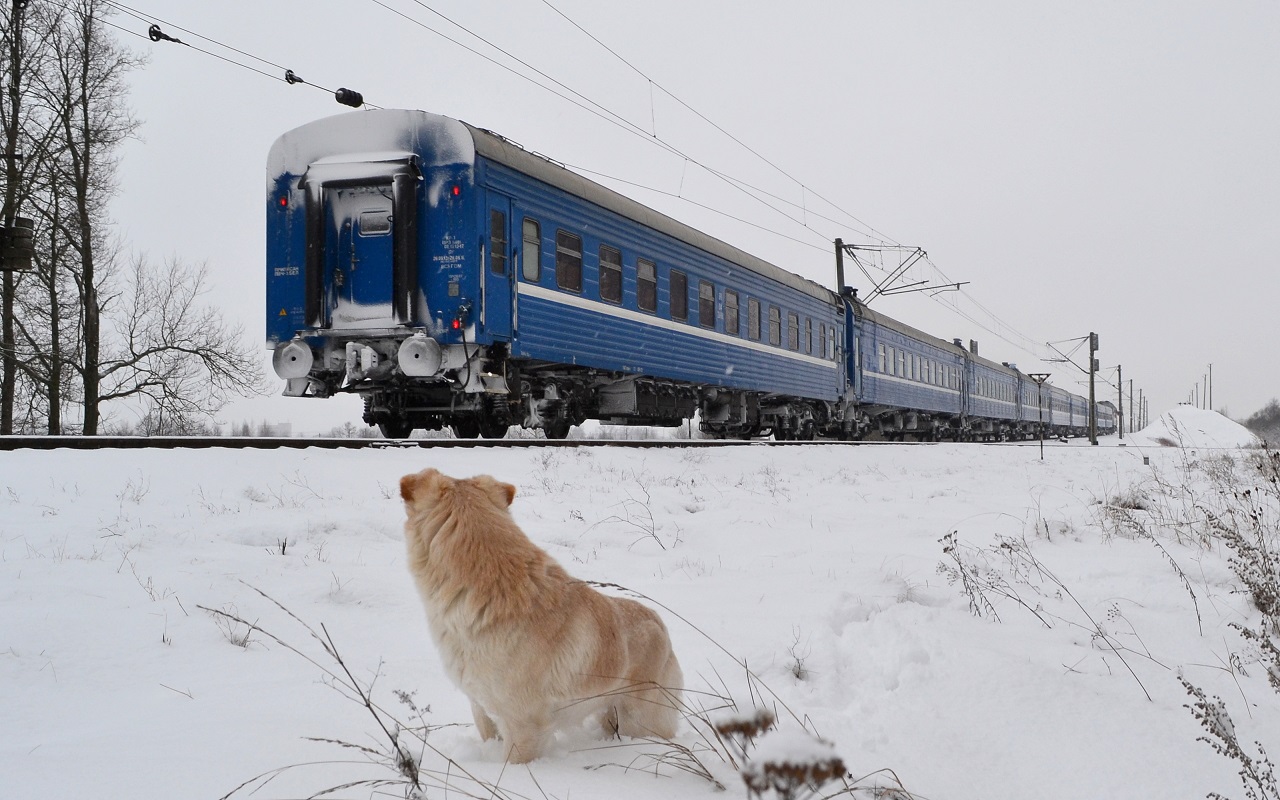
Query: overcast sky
{"points": [[1083, 166]]}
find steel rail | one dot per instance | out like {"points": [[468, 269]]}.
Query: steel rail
{"points": [[271, 443]]}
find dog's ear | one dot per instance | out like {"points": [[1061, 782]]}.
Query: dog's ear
{"points": [[407, 485], [411, 485], [500, 493]]}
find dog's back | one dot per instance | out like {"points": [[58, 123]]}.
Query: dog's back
{"points": [[531, 646]]}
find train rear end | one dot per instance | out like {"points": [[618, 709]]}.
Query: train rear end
{"points": [[370, 288]]}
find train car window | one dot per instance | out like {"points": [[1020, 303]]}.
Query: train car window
{"points": [[375, 223], [808, 336], [822, 337], [531, 261], [793, 331], [775, 326], [902, 364], [731, 313], [569, 261], [646, 285], [831, 351], [879, 351], [497, 242], [610, 274], [679, 295], [753, 318], [706, 304]]}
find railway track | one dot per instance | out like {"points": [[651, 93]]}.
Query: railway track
{"points": [[272, 443]]}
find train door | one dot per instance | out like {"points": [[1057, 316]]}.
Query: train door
{"points": [[358, 269], [495, 306]]}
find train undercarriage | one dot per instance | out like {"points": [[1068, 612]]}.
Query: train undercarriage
{"points": [[483, 392]]}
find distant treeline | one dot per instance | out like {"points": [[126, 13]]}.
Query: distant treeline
{"points": [[1265, 423]]}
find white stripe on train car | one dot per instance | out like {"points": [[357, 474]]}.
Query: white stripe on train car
{"points": [[551, 295]]}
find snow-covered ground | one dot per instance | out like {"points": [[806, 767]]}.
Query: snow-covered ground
{"points": [[822, 568]]}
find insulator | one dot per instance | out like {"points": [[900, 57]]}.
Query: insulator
{"points": [[349, 97], [291, 79]]}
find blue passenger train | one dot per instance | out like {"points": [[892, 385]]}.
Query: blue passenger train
{"points": [[451, 278]]}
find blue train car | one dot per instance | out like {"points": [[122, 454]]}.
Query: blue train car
{"points": [[452, 278], [912, 384]]}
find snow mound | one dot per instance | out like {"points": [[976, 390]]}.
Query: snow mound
{"points": [[1188, 426]]}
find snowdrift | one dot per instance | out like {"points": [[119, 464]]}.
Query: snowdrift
{"points": [[1188, 426]]}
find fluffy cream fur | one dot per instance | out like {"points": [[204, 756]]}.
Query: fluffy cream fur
{"points": [[533, 648]]}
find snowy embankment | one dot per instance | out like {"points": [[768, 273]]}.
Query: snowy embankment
{"points": [[1188, 426], [1054, 676]]}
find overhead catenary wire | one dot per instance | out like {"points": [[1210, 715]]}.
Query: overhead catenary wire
{"points": [[582, 101], [997, 327], [157, 34], [653, 83]]}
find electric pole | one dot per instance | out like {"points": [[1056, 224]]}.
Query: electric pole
{"points": [[1131, 420], [1093, 403], [1040, 378], [1120, 404]]}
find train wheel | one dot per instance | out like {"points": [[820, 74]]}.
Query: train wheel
{"points": [[493, 427], [395, 428], [557, 428], [465, 427]]}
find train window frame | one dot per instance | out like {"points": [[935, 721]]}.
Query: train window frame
{"points": [[706, 304], [793, 331], [614, 271], [497, 241], [880, 350], [568, 261], [533, 245], [753, 319], [808, 335], [679, 311], [646, 285], [731, 321], [379, 223], [775, 326]]}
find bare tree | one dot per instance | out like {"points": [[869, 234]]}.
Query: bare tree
{"points": [[18, 58], [89, 327], [88, 94], [181, 358]]}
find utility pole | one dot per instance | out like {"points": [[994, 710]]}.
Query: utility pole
{"points": [[1210, 387], [1120, 404], [1093, 404], [1040, 378], [839, 266], [1131, 420]]}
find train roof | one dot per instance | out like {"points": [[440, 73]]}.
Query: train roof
{"points": [[382, 134], [498, 148]]}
